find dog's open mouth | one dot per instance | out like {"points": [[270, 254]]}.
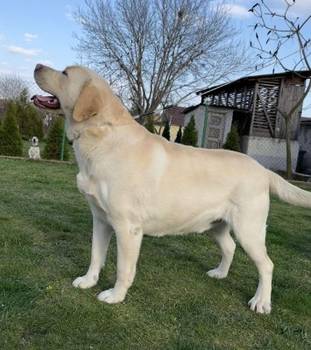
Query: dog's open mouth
{"points": [[50, 102]]}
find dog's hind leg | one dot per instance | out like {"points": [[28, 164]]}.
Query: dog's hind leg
{"points": [[249, 225], [129, 239], [102, 232], [221, 234]]}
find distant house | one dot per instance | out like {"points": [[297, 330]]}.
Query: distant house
{"points": [[251, 103], [176, 118], [304, 139]]}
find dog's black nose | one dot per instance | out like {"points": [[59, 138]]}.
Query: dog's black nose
{"points": [[39, 66]]}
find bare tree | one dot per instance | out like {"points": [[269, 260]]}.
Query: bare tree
{"points": [[12, 87], [282, 41], [157, 52]]}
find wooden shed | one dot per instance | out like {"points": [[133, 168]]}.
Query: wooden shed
{"points": [[252, 103]]}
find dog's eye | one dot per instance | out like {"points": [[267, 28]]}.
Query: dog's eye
{"points": [[65, 73]]}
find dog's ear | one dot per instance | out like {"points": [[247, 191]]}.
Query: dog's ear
{"points": [[88, 104]]}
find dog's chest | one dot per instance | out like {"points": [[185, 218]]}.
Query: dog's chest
{"points": [[85, 185], [96, 192]]}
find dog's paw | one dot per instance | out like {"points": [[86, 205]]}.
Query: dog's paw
{"points": [[111, 296], [217, 273], [84, 282], [260, 306]]}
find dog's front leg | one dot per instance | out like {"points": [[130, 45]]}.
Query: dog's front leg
{"points": [[102, 232], [129, 240]]}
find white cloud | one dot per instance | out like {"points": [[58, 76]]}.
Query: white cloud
{"points": [[236, 10], [30, 37], [46, 62], [23, 51]]}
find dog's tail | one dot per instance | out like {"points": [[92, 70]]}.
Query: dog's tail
{"points": [[288, 192]]}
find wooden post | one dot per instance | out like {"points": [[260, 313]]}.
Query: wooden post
{"points": [[254, 109], [266, 114], [205, 126], [278, 114]]}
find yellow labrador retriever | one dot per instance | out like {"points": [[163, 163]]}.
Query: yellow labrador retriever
{"points": [[138, 183]]}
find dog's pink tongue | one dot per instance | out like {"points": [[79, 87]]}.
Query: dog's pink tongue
{"points": [[51, 102]]}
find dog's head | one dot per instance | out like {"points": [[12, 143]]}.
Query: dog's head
{"points": [[76, 91], [34, 141], [80, 93]]}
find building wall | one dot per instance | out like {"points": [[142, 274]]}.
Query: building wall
{"points": [[228, 124], [269, 152], [304, 140], [291, 91], [199, 114]]}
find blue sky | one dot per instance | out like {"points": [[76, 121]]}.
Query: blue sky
{"points": [[33, 31]]}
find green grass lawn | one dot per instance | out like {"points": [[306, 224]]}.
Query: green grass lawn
{"points": [[45, 231]]}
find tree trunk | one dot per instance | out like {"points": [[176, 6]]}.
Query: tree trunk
{"points": [[288, 149]]}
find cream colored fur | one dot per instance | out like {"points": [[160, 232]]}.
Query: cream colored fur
{"points": [[139, 184]]}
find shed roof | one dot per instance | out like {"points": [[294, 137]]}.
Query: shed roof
{"points": [[304, 74], [192, 108], [175, 115], [304, 121]]}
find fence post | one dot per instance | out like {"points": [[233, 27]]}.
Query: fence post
{"points": [[205, 125]]}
